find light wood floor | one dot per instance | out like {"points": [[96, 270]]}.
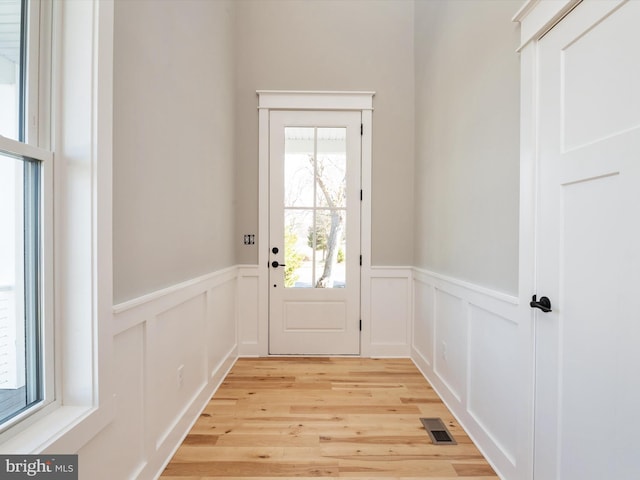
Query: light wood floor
{"points": [[324, 417]]}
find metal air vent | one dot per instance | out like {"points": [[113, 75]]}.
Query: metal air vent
{"points": [[437, 431]]}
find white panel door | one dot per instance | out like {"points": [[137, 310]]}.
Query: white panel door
{"points": [[587, 405], [314, 232]]}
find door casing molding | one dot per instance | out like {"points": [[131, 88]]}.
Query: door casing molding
{"points": [[311, 100]]}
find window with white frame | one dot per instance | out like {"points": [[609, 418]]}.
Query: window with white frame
{"points": [[26, 339]]}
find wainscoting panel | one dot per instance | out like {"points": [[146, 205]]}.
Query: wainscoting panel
{"points": [[466, 343], [220, 324], [172, 348], [124, 437], [252, 326], [177, 353], [450, 336], [423, 319], [493, 344], [386, 315]]}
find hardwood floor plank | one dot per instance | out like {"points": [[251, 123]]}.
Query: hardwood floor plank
{"points": [[313, 417], [471, 470], [348, 409], [409, 452], [226, 469], [386, 466], [377, 440], [253, 453], [266, 440], [200, 440]]}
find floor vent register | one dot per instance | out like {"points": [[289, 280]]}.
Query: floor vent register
{"points": [[437, 431]]}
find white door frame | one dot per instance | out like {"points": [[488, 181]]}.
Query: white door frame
{"points": [[297, 100], [536, 18]]}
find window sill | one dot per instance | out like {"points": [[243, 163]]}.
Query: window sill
{"points": [[63, 431]]}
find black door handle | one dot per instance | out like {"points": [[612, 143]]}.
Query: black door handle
{"points": [[544, 304], [275, 264]]}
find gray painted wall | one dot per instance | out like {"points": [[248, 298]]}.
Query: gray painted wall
{"points": [[185, 128], [467, 141], [173, 170], [328, 45]]}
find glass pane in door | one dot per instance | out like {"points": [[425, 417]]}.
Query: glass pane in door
{"points": [[315, 207], [299, 161], [329, 271], [298, 270], [331, 168]]}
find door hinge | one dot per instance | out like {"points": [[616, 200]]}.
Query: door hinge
{"points": [[360, 260], [360, 324], [360, 195], [361, 129]]}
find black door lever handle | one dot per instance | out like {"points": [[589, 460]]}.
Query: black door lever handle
{"points": [[275, 264], [544, 304]]}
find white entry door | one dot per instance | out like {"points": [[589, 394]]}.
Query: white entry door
{"points": [[314, 232], [587, 412]]}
